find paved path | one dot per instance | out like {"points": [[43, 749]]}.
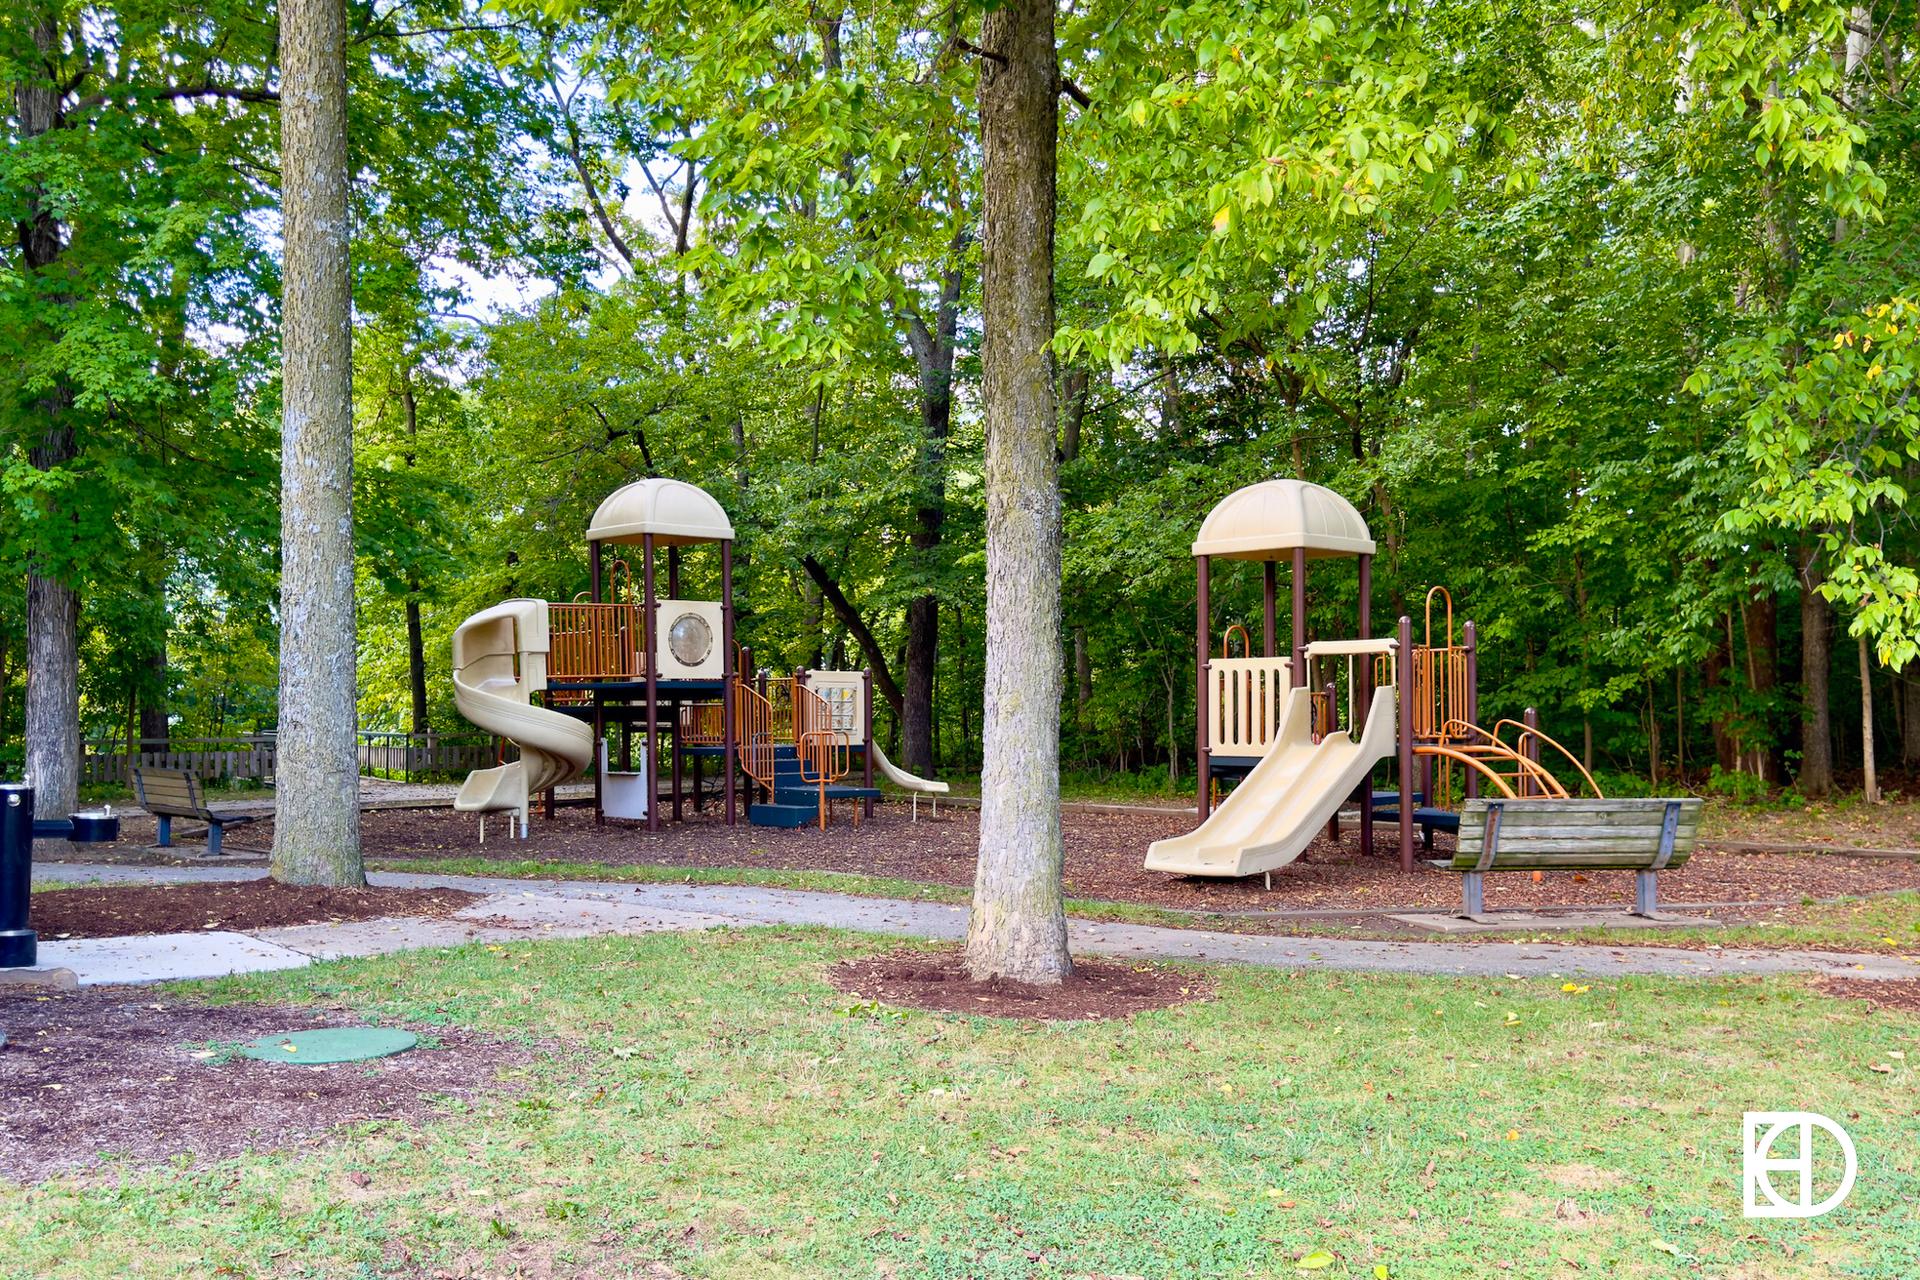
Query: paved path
{"points": [[519, 909]]}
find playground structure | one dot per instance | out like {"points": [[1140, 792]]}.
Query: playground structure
{"points": [[1304, 730], [554, 678]]}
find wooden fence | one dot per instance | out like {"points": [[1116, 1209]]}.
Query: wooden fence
{"points": [[406, 756], [410, 756]]}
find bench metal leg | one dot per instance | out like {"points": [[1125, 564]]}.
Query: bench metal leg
{"points": [[1645, 897], [1472, 897], [213, 839], [166, 832]]}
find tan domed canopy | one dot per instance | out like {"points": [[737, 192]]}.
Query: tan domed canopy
{"points": [[674, 512], [1266, 520]]}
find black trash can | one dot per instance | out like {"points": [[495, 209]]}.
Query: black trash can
{"points": [[19, 948]]}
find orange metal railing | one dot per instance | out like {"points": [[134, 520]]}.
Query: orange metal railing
{"points": [[825, 758], [754, 731], [1440, 691], [595, 642], [702, 724]]}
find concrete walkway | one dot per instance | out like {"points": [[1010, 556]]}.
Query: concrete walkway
{"points": [[520, 910]]}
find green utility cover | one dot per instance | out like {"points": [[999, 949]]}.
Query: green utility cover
{"points": [[330, 1044]]}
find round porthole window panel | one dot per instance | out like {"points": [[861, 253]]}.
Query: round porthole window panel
{"points": [[689, 639]]}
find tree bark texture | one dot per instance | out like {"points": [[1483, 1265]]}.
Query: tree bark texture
{"points": [[316, 830], [1018, 927], [1816, 667], [53, 606]]}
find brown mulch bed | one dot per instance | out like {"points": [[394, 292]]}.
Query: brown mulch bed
{"points": [[109, 1076], [114, 911], [1103, 861], [1902, 995], [938, 980]]}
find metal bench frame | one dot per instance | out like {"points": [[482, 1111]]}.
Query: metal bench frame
{"points": [[1645, 870], [164, 812]]}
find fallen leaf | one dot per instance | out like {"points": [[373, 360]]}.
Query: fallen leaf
{"points": [[1318, 1260]]}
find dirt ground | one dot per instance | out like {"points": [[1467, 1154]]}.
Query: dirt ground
{"points": [[1103, 861], [118, 1076], [121, 910], [1900, 996], [936, 980]]}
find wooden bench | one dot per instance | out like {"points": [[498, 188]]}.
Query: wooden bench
{"points": [[1645, 837], [175, 793]]}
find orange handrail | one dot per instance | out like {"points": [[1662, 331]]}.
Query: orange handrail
{"points": [[753, 731], [1527, 771], [825, 758], [1533, 731], [1246, 641], [1472, 762]]}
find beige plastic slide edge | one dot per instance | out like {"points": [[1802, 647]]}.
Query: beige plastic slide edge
{"points": [[906, 781], [499, 660], [1272, 816]]}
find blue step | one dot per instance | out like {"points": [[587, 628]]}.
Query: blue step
{"points": [[782, 815], [809, 795]]}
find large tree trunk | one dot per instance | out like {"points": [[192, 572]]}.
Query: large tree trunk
{"points": [[1018, 926], [1719, 689], [1909, 719], [316, 829], [933, 349], [53, 695], [153, 705], [53, 607], [1816, 667], [417, 662]]}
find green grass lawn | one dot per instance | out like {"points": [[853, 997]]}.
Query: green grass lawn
{"points": [[1886, 923], [709, 1104]]}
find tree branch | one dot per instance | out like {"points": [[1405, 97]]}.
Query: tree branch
{"points": [[592, 190], [856, 626]]}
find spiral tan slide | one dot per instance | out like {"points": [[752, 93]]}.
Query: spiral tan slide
{"points": [[1270, 819], [499, 661]]}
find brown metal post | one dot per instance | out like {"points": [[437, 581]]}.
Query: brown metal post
{"points": [[1362, 676], [729, 731], [1471, 643], [1403, 735], [599, 751], [1269, 618], [673, 728], [1299, 673], [1203, 643], [647, 608], [1530, 748], [673, 573], [866, 713], [594, 569]]}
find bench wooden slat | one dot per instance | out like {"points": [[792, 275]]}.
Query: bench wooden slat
{"points": [[1619, 849], [1588, 805], [1588, 825], [1587, 835], [1513, 829]]}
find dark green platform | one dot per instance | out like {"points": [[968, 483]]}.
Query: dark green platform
{"points": [[326, 1045]]}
